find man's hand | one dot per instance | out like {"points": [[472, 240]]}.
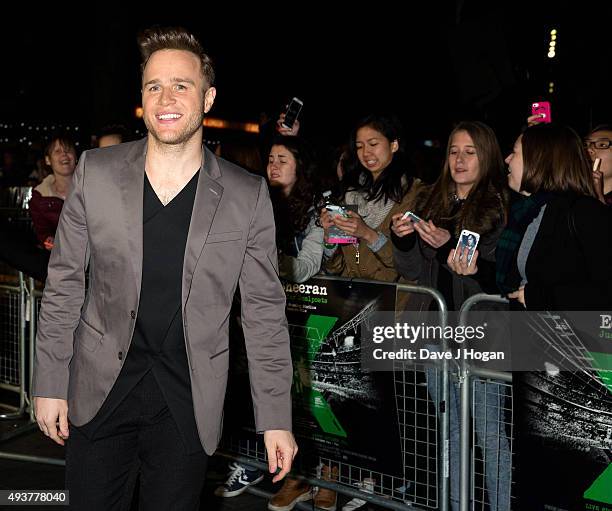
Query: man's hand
{"points": [[48, 412], [281, 448]]}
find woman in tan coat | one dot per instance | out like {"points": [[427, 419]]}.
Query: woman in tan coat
{"points": [[376, 183]]}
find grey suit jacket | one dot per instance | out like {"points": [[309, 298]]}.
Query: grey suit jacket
{"points": [[83, 337]]}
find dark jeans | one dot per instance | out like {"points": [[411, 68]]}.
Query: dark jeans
{"points": [[139, 435]]}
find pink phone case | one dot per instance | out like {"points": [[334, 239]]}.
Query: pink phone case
{"points": [[541, 107]]}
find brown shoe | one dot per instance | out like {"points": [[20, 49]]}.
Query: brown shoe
{"points": [[292, 492], [326, 499]]}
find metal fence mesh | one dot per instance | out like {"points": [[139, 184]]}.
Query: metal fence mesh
{"points": [[492, 440], [418, 427], [9, 337]]}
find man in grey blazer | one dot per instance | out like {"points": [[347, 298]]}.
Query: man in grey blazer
{"points": [[132, 370]]}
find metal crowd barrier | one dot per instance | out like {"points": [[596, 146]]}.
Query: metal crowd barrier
{"points": [[488, 395], [19, 306], [423, 424], [13, 373]]}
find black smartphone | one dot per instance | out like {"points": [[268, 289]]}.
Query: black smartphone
{"points": [[292, 112]]}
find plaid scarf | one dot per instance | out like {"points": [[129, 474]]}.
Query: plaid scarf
{"points": [[522, 213]]}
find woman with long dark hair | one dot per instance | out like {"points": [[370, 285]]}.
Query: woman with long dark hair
{"points": [[377, 182], [293, 190], [469, 194]]}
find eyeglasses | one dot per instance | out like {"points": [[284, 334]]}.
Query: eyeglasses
{"points": [[600, 143]]}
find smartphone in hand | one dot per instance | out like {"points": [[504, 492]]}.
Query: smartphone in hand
{"points": [[292, 112], [415, 219], [469, 240], [541, 108]]}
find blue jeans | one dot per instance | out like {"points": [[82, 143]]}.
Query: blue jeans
{"points": [[491, 436]]}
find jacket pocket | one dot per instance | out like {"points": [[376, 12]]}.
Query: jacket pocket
{"points": [[219, 362], [87, 336], [224, 236]]}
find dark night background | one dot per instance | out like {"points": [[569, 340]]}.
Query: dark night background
{"points": [[432, 65]]}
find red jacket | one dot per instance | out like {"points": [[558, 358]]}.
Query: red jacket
{"points": [[45, 212]]}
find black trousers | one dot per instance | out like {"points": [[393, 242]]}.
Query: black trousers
{"points": [[140, 435]]}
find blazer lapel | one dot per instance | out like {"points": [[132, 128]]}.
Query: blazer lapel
{"points": [[208, 196], [132, 188]]}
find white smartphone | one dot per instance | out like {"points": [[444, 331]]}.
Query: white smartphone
{"points": [[414, 218], [596, 164], [292, 112], [469, 240]]}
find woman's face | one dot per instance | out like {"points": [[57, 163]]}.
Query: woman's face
{"points": [[463, 160], [281, 168], [374, 150], [61, 159], [515, 165], [596, 146]]}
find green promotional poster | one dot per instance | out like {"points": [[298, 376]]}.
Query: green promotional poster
{"points": [[564, 417], [341, 412]]}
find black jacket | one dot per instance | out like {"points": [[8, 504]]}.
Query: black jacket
{"points": [[569, 266]]}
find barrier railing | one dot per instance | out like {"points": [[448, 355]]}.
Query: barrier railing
{"points": [[423, 425], [19, 307], [424, 421], [13, 373], [488, 396]]}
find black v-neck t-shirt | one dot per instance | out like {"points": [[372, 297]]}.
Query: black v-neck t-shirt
{"points": [[158, 344]]}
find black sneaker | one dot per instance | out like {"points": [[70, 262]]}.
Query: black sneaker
{"points": [[238, 480]]}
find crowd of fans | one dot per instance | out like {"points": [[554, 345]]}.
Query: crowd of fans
{"points": [[543, 218]]}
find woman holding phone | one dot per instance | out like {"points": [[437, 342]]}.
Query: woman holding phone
{"points": [[376, 181], [470, 195]]}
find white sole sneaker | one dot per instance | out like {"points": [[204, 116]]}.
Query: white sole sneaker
{"points": [[220, 491]]}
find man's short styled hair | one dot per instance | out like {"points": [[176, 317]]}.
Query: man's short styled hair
{"points": [[174, 38]]}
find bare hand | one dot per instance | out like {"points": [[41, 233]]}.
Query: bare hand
{"points": [[49, 412], [281, 448], [519, 295], [534, 120], [355, 226], [401, 227], [326, 219], [49, 242], [432, 235], [459, 264], [598, 181], [288, 132]]}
